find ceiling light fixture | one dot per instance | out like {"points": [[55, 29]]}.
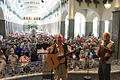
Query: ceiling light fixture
{"points": [[42, 1], [107, 5]]}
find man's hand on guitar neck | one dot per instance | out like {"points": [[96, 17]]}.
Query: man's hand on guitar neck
{"points": [[107, 55], [69, 48]]}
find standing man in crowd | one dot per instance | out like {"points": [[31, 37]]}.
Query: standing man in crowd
{"points": [[2, 61], [61, 49], [13, 58], [105, 53]]}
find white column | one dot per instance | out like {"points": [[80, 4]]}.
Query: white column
{"points": [[71, 8]]}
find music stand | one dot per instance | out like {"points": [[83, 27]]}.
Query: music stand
{"points": [[87, 77]]}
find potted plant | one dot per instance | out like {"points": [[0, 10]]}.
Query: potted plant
{"points": [[32, 26]]}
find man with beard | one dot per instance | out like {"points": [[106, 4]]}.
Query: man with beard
{"points": [[105, 53]]}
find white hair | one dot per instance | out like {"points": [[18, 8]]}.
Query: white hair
{"points": [[108, 34]]}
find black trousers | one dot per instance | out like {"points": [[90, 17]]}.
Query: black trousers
{"points": [[104, 70]]}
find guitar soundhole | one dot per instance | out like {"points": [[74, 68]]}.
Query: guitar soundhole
{"points": [[52, 61]]}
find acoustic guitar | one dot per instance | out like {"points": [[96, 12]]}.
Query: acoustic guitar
{"points": [[53, 60]]}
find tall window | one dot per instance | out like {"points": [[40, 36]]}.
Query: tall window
{"points": [[95, 26], [107, 25], [79, 28], [66, 26]]}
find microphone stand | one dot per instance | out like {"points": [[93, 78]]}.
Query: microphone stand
{"points": [[87, 77], [52, 74]]}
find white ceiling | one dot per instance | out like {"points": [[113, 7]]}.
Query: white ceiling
{"points": [[37, 8]]}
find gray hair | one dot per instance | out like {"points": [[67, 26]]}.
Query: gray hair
{"points": [[108, 34]]}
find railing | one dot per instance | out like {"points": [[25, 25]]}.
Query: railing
{"points": [[40, 67]]}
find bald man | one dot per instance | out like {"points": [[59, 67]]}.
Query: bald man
{"points": [[105, 53], [61, 49]]}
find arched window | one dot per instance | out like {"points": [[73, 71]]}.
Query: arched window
{"points": [[79, 28], [107, 26], [66, 26], [95, 26]]}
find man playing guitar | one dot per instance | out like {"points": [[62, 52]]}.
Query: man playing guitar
{"points": [[57, 50], [105, 53]]}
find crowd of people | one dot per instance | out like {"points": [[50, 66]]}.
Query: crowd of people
{"points": [[22, 47]]}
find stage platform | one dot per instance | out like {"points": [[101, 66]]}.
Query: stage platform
{"points": [[76, 74]]}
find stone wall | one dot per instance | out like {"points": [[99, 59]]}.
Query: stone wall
{"points": [[2, 27], [89, 28], [7, 28], [101, 28], [12, 27], [62, 30], [50, 27], [116, 32]]}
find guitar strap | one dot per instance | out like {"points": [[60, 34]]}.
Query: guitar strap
{"points": [[65, 51], [54, 51]]}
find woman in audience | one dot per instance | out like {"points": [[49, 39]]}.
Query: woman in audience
{"points": [[24, 59]]}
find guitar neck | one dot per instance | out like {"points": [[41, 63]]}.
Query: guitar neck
{"points": [[68, 54]]}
